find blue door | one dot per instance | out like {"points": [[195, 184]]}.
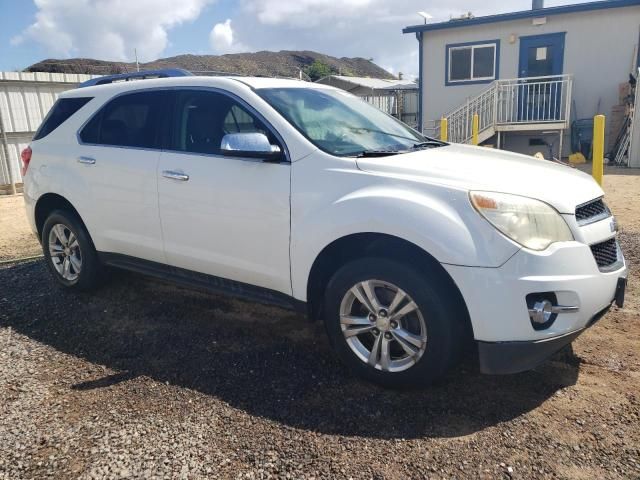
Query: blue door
{"points": [[540, 99]]}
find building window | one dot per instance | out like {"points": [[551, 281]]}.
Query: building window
{"points": [[472, 62]]}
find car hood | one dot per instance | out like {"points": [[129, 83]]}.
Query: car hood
{"points": [[479, 168]]}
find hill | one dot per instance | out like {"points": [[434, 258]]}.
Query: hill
{"points": [[270, 64]]}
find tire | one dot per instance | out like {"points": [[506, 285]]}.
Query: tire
{"points": [[437, 319], [66, 242]]}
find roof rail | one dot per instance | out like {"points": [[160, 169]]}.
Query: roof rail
{"points": [[125, 77]]}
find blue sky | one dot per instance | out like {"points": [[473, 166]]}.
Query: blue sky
{"points": [[32, 30], [16, 15]]}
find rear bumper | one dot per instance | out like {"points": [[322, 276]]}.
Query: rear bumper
{"points": [[30, 207], [502, 358]]}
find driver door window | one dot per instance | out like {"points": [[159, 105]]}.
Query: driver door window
{"points": [[204, 118]]}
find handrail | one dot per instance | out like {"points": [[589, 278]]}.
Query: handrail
{"points": [[512, 102]]}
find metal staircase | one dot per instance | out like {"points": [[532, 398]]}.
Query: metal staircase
{"points": [[521, 104]]}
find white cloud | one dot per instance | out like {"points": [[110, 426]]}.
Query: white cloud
{"points": [[304, 12], [363, 28], [221, 39], [111, 29], [108, 29]]}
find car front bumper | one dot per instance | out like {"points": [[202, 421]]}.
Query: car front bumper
{"points": [[502, 358], [497, 305]]}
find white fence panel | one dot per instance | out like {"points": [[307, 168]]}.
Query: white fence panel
{"points": [[15, 145], [25, 99]]}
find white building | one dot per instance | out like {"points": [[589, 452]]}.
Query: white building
{"points": [[528, 74]]}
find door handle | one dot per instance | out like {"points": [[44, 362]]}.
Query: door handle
{"points": [[183, 177], [86, 160]]}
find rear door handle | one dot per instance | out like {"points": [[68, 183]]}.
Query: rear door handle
{"points": [[183, 177], [86, 160]]}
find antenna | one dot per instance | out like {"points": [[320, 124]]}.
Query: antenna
{"points": [[426, 16]]}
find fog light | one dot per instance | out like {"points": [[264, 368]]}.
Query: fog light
{"points": [[541, 312], [544, 309]]}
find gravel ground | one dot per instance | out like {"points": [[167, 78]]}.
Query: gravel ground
{"points": [[147, 380]]}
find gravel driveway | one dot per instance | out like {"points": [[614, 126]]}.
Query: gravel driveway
{"points": [[148, 380]]}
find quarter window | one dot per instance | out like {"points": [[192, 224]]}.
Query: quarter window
{"points": [[472, 63], [131, 120], [204, 118], [60, 113]]}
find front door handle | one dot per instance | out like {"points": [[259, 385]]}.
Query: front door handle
{"points": [[86, 160], [173, 175]]}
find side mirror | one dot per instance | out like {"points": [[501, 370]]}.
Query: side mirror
{"points": [[252, 145]]}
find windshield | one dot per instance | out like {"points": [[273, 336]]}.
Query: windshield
{"points": [[340, 123]]}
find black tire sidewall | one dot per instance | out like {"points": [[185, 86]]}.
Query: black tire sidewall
{"points": [[434, 301], [90, 265]]}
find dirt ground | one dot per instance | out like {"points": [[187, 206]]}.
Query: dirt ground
{"points": [[148, 380], [16, 239]]}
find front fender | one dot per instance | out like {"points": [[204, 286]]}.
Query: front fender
{"points": [[437, 219]]}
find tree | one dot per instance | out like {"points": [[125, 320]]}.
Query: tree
{"points": [[317, 70]]}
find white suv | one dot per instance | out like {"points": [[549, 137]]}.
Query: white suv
{"points": [[304, 196]]}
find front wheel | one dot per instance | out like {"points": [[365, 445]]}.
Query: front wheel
{"points": [[390, 323]]}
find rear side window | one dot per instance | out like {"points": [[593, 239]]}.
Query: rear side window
{"points": [[132, 120], [60, 113]]}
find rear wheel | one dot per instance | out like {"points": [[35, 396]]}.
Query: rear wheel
{"points": [[69, 252], [392, 324]]}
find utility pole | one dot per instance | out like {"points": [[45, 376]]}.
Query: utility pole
{"points": [[5, 151], [135, 53]]}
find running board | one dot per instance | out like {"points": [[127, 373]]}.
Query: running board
{"points": [[203, 281]]}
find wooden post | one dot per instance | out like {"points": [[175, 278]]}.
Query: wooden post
{"points": [[444, 129], [598, 148], [476, 127]]}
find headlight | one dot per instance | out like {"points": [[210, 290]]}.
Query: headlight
{"points": [[531, 223]]}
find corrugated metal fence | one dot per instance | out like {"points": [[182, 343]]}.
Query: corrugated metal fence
{"points": [[25, 99]]}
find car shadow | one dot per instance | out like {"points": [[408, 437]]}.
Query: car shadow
{"points": [[263, 360]]}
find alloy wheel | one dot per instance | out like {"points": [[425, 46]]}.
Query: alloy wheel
{"points": [[65, 253], [383, 326]]}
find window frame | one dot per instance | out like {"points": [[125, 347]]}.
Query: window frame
{"points": [[472, 46], [162, 124], [171, 134], [166, 127], [38, 135]]}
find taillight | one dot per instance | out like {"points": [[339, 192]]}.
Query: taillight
{"points": [[26, 158]]}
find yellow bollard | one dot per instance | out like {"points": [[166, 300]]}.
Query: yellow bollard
{"points": [[598, 148], [475, 128], [444, 129]]}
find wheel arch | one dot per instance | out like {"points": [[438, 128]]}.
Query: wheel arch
{"points": [[359, 245], [49, 202]]}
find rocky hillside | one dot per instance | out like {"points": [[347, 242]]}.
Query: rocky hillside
{"points": [[284, 63]]}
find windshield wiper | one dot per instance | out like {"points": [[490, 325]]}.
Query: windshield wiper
{"points": [[378, 153], [373, 130], [429, 144], [386, 153]]}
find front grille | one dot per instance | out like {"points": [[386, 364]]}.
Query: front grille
{"points": [[592, 211], [605, 253]]}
